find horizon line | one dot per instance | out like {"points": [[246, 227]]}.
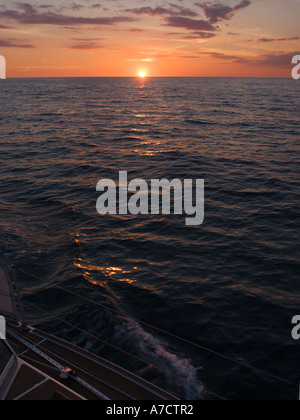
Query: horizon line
{"points": [[149, 77]]}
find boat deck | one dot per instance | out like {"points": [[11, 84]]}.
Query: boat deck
{"points": [[40, 357]]}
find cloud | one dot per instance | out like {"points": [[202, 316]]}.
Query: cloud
{"points": [[200, 35], [265, 40], [182, 11], [148, 11], [76, 6], [27, 8], [275, 60], [88, 39], [223, 56], [242, 5], [87, 45], [174, 10], [30, 16], [14, 43], [137, 30], [58, 8], [190, 24], [217, 12]]}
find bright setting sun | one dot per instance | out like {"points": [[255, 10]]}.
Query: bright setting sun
{"points": [[142, 74]]}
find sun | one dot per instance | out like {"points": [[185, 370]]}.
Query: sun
{"points": [[142, 74]]}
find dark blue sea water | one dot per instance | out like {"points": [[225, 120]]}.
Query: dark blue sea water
{"points": [[230, 285]]}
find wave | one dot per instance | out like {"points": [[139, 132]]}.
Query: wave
{"points": [[178, 374], [200, 122]]}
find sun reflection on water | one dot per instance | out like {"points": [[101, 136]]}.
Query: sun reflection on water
{"points": [[114, 273]]}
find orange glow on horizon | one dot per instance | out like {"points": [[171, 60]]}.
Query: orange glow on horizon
{"points": [[252, 40]]}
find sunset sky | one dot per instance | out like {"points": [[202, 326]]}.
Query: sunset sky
{"points": [[166, 38]]}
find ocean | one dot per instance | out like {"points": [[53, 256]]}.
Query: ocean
{"points": [[229, 287]]}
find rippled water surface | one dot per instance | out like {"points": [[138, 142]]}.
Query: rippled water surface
{"points": [[230, 285]]}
